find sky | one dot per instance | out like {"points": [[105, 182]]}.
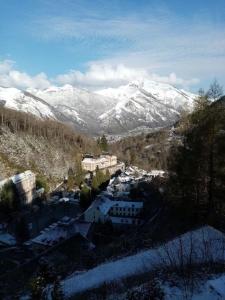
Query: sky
{"points": [[97, 44]]}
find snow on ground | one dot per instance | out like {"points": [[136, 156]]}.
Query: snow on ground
{"points": [[213, 289], [203, 244]]}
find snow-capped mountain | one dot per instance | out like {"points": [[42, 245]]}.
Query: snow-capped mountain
{"points": [[133, 107], [144, 103], [23, 101], [78, 105]]}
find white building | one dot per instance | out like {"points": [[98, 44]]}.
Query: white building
{"points": [[104, 209], [102, 162]]}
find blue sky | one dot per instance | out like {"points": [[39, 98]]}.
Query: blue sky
{"points": [[95, 44]]}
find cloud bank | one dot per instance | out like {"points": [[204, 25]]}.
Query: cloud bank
{"points": [[98, 75]]}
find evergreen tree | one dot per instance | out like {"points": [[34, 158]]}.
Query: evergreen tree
{"points": [[9, 199], [57, 292], [85, 197], [22, 230], [201, 102], [37, 289], [103, 143], [197, 167]]}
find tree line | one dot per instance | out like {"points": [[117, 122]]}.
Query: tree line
{"points": [[20, 122], [197, 167]]}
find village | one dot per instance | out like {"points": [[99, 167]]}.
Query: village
{"points": [[62, 223]]}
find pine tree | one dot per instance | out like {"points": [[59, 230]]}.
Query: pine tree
{"points": [[57, 292], [103, 143], [37, 288], [85, 197], [22, 230]]}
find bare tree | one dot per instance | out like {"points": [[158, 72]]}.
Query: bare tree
{"points": [[215, 90]]}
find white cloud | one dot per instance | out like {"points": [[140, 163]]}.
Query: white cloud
{"points": [[100, 75], [159, 41], [10, 77]]}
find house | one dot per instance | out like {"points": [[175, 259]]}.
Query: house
{"points": [[60, 231], [104, 209]]}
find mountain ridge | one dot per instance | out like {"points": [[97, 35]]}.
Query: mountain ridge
{"points": [[114, 111]]}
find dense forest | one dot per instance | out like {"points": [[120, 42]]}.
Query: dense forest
{"points": [[196, 185], [147, 151], [20, 122]]}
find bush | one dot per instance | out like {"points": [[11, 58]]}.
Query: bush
{"points": [[9, 199], [150, 291], [41, 182]]}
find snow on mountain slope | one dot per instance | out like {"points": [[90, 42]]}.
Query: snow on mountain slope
{"points": [[133, 107], [77, 105], [73, 97], [144, 103], [23, 101]]}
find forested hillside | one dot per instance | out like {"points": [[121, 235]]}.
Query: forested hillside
{"points": [[46, 147], [147, 151], [197, 167]]}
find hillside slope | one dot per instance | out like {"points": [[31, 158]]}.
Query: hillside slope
{"points": [[46, 147]]}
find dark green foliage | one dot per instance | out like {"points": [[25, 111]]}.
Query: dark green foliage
{"points": [[85, 197], [151, 291], [197, 168], [9, 199], [79, 173], [46, 275], [103, 233], [57, 292], [41, 182], [103, 143], [37, 289], [22, 230], [99, 179]]}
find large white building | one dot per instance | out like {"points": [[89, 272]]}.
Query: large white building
{"points": [[119, 212], [102, 162]]}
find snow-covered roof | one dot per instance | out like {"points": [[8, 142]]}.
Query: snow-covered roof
{"points": [[7, 239], [104, 204], [218, 285], [62, 230], [19, 177]]}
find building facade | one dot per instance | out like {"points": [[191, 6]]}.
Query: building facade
{"points": [[104, 209], [102, 162]]}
